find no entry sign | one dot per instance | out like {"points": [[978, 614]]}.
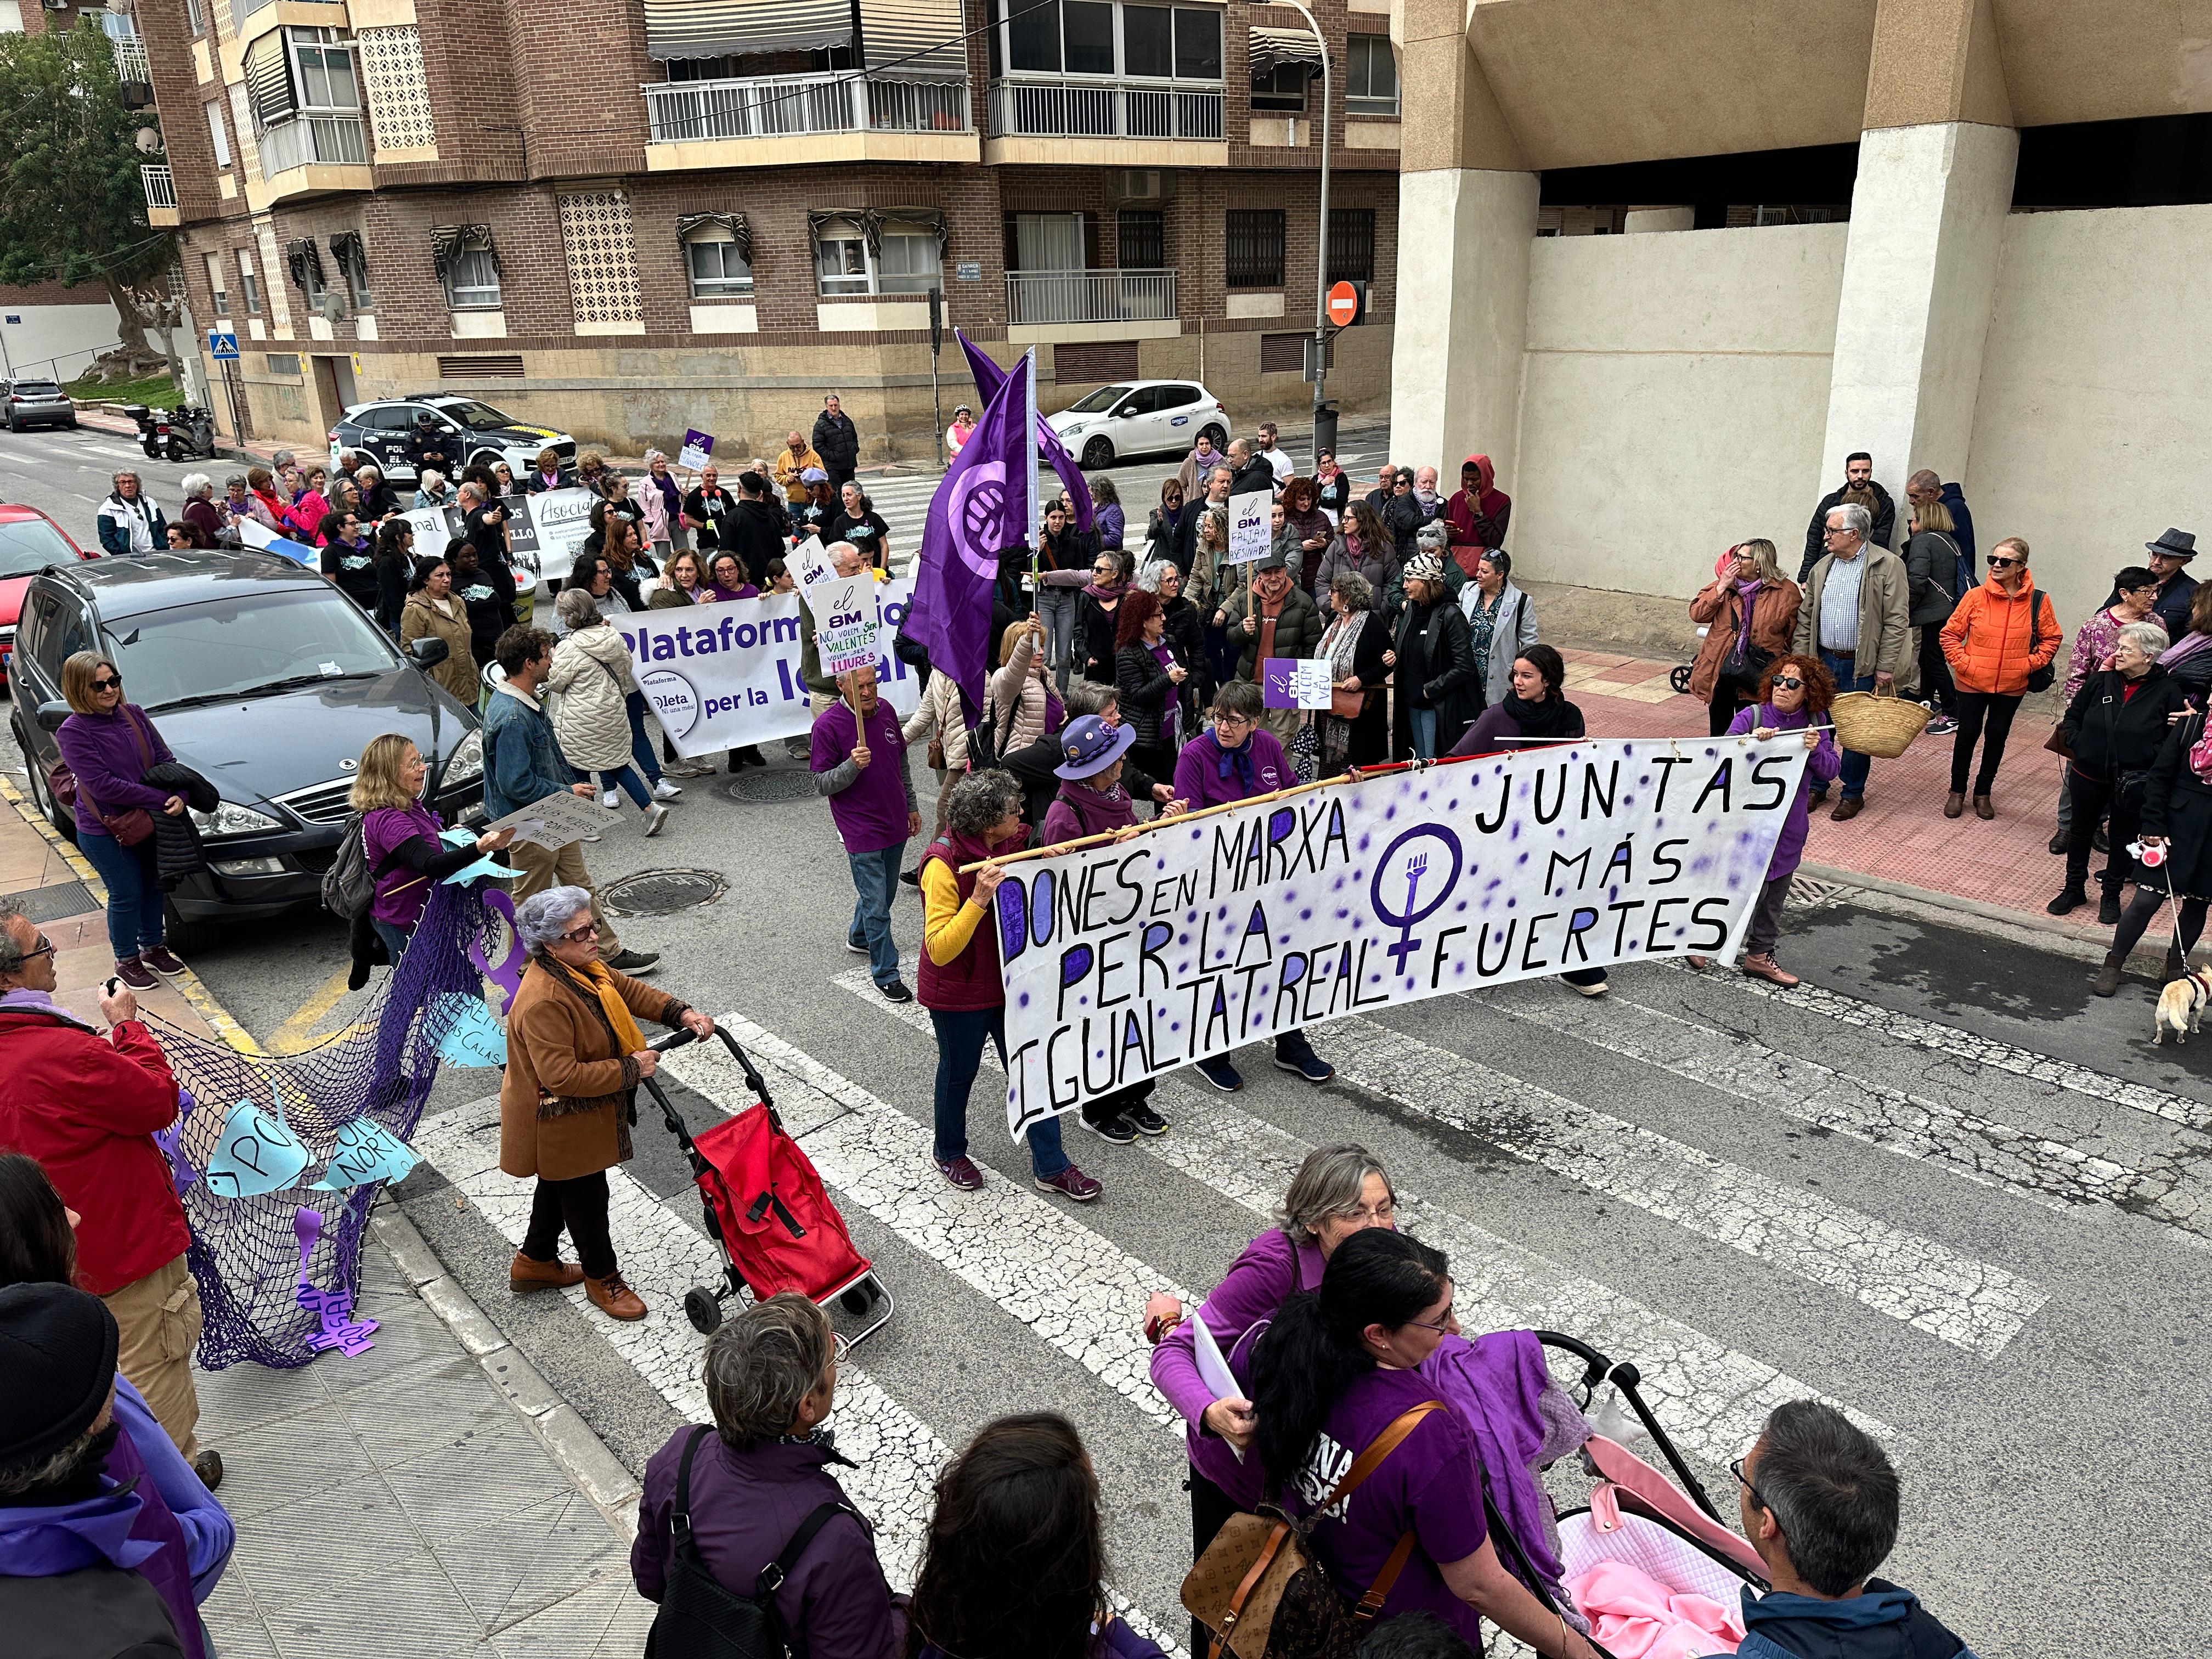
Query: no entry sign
{"points": [[1344, 305]]}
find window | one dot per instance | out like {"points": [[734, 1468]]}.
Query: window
{"points": [[1284, 87], [1148, 40], [1255, 247], [1142, 234], [283, 362], [1370, 77], [216, 285], [472, 281], [910, 263], [908, 260], [312, 285], [216, 134], [327, 81], [1077, 37], [1197, 45], [840, 259], [249, 285], [357, 276], [195, 19], [1286, 353], [719, 271], [1351, 245]]}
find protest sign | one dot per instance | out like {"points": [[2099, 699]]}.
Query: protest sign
{"points": [[1295, 682], [1250, 516], [256, 1152], [698, 449], [558, 524], [813, 564], [554, 822], [255, 534], [1124, 961], [723, 675], [847, 622]]}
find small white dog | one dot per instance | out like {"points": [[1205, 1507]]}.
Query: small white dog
{"points": [[2181, 1005]]}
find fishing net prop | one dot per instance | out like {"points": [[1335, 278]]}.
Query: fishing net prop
{"points": [[279, 1270]]}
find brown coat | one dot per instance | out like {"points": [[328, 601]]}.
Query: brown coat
{"points": [[567, 1103], [1773, 625], [457, 673]]}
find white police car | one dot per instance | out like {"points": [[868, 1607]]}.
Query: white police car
{"points": [[483, 435]]}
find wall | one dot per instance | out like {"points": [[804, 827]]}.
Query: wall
{"points": [[1674, 391], [72, 325], [2089, 434]]}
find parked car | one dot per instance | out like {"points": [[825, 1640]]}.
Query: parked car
{"points": [[486, 434], [264, 678], [29, 542], [36, 403], [1141, 417]]}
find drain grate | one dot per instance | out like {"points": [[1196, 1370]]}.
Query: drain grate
{"points": [[63, 899], [662, 892], [775, 783], [1810, 890]]}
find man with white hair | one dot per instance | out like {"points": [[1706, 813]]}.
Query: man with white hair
{"points": [[1858, 600], [859, 762]]}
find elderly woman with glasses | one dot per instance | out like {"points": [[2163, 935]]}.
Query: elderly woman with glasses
{"points": [[575, 1057]]}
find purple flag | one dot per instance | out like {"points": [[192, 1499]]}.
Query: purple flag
{"points": [[977, 512], [989, 377]]}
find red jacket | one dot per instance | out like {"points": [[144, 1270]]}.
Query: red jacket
{"points": [[86, 1109]]}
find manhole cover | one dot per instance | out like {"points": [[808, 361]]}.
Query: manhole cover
{"points": [[775, 783], [661, 892]]}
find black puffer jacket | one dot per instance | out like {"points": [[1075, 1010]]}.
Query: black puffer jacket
{"points": [[176, 849], [1439, 645], [2110, 732], [837, 441], [1145, 689]]}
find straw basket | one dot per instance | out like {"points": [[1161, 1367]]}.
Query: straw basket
{"points": [[1878, 723]]}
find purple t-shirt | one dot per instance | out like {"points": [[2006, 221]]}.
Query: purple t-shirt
{"points": [[870, 813], [1433, 1485], [1199, 770], [400, 893]]}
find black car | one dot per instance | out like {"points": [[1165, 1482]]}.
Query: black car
{"points": [[479, 434], [29, 402], [262, 678]]}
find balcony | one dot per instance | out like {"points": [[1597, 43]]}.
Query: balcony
{"points": [[778, 117], [131, 63], [160, 187], [1070, 307], [1149, 123]]}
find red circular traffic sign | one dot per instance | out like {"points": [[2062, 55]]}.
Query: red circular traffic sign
{"points": [[1343, 304]]}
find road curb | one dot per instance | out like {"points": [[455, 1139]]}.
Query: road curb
{"points": [[1991, 921]]}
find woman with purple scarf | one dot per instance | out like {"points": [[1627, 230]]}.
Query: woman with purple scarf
{"points": [[1749, 611], [662, 503]]}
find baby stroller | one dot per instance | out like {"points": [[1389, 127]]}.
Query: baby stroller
{"points": [[766, 1210]]}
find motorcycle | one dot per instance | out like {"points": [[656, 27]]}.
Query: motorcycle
{"points": [[179, 434]]}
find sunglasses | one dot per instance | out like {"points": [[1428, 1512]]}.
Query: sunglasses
{"points": [[1996, 563], [588, 932], [1790, 682], [113, 683]]}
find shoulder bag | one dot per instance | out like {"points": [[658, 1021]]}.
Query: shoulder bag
{"points": [[1259, 1590], [2039, 679], [1745, 663], [129, 828]]}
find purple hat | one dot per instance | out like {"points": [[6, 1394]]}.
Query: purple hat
{"points": [[1089, 746]]}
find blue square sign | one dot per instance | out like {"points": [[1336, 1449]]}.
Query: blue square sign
{"points": [[223, 347]]}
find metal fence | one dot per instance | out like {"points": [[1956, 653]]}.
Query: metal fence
{"points": [[160, 186], [131, 63], [683, 112], [1090, 296], [338, 140], [1059, 109]]}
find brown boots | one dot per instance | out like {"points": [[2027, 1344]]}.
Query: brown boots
{"points": [[613, 1297], [523, 1275], [2108, 977]]}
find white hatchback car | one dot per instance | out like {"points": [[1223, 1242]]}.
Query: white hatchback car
{"points": [[1137, 417]]}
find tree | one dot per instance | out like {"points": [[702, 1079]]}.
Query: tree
{"points": [[71, 207]]}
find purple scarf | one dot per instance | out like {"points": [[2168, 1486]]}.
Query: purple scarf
{"points": [[1238, 760], [1748, 591]]}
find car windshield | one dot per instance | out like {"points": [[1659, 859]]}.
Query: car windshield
{"points": [[1099, 401], [37, 389], [29, 545], [477, 418], [250, 643]]}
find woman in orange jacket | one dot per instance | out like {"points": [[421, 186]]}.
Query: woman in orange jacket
{"points": [[2003, 632]]}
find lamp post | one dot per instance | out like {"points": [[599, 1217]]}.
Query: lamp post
{"points": [[1321, 261]]}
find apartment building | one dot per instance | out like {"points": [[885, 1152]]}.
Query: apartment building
{"points": [[626, 218]]}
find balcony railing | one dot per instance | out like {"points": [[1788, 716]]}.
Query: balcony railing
{"points": [[685, 111], [159, 184], [335, 139], [1064, 109], [1090, 296], [131, 63]]}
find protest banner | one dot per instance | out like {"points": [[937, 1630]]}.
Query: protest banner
{"points": [[1296, 681], [1122, 961], [1250, 518], [847, 622], [698, 449], [721, 676]]}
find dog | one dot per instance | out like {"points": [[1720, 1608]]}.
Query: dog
{"points": [[2181, 1005]]}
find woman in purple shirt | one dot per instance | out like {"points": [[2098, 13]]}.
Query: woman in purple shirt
{"points": [[1337, 1192], [402, 840], [109, 745], [1338, 1367]]}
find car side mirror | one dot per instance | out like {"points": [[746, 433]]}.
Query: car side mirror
{"points": [[52, 714], [428, 651], [1124, 410]]}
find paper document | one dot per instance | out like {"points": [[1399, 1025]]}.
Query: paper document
{"points": [[1213, 1368]]}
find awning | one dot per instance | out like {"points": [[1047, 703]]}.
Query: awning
{"points": [[872, 222], [268, 91], [920, 37], [1274, 49], [449, 242], [716, 29], [740, 232], [301, 258], [346, 247]]}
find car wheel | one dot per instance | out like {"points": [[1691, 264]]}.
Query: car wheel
{"points": [[13, 430], [186, 937], [1098, 452], [1216, 437], [486, 458]]}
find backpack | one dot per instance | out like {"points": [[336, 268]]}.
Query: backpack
{"points": [[699, 1618], [349, 886]]}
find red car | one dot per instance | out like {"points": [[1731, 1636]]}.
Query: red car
{"points": [[29, 542]]}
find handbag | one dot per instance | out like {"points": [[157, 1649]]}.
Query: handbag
{"points": [[1746, 662], [1347, 705], [1305, 752], [2039, 679], [129, 828], [1259, 1590]]}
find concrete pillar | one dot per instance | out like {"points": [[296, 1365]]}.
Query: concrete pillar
{"points": [[1927, 219], [1467, 217]]}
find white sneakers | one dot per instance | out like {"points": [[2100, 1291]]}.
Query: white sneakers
{"points": [[666, 790], [609, 800], [655, 816]]}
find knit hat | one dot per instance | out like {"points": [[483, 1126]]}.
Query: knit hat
{"points": [[57, 1364]]}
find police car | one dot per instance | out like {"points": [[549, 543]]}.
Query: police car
{"points": [[479, 433]]}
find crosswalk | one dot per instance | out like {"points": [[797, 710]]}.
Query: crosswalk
{"points": [[1051, 1295]]}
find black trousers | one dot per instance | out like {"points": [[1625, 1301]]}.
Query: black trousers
{"points": [[2136, 919], [1935, 683], [1210, 1510], [2093, 798], [581, 1204], [1984, 717], [1720, 713], [1109, 1106]]}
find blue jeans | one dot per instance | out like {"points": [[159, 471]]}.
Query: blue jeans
{"points": [[134, 896], [875, 879], [627, 782], [395, 938], [1856, 766], [641, 746], [959, 1054], [1059, 607], [1425, 733]]}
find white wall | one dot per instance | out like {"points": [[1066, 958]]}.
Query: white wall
{"points": [[2089, 432], [1674, 399], [71, 332]]}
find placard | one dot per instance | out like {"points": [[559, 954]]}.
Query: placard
{"points": [[811, 563], [847, 623], [1251, 517], [698, 449], [558, 821], [1296, 681]]}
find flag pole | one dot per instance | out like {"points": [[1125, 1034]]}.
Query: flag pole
{"points": [[1034, 523]]}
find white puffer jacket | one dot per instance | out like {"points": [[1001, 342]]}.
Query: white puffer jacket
{"points": [[591, 676]]}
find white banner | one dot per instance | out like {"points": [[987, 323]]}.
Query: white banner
{"points": [[721, 676], [1123, 960]]}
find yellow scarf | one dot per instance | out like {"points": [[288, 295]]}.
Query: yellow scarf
{"points": [[628, 1038]]}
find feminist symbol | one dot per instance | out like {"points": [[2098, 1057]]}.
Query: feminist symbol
{"points": [[1411, 871], [976, 515]]}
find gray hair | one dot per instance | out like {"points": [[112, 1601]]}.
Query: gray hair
{"points": [[1089, 697], [1432, 536], [762, 1363], [1327, 1183], [2147, 637], [653, 455], [237, 481], [71, 1460], [576, 607], [430, 479], [368, 470], [115, 479], [282, 458], [1831, 1490], [11, 954], [541, 919], [980, 800], [1354, 589], [196, 483], [1857, 519], [473, 489]]}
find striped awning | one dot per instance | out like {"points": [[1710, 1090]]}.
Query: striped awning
{"points": [[741, 232], [917, 36], [1274, 49], [716, 29], [269, 90]]}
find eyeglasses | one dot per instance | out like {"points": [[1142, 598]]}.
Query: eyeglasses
{"points": [[1788, 682], [1230, 721], [1836, 530], [588, 932], [1386, 1210], [1998, 563], [1736, 1469], [113, 683], [1445, 1326], [840, 1345], [44, 948]]}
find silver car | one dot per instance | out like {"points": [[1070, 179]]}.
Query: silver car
{"points": [[36, 403]]}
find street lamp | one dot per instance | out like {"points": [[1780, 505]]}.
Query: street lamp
{"points": [[1320, 260]]}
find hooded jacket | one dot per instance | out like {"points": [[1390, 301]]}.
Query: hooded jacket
{"points": [[1881, 1622], [1478, 521], [1995, 639], [1885, 526], [591, 675]]}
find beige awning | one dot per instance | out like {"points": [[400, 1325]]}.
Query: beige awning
{"points": [[1272, 49]]}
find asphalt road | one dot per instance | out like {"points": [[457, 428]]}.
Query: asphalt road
{"points": [[1940, 1185]]}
